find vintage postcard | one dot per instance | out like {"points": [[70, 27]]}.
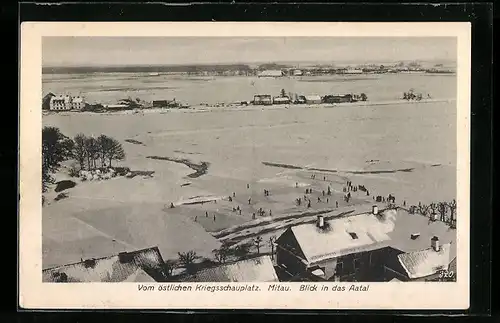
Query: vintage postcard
{"points": [[244, 165]]}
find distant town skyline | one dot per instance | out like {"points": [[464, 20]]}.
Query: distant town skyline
{"points": [[124, 51]]}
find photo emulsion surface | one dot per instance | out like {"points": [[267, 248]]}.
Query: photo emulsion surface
{"points": [[249, 159]]}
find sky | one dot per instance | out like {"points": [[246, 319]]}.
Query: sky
{"points": [[106, 51]]}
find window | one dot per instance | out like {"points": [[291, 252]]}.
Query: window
{"points": [[340, 267], [357, 263]]}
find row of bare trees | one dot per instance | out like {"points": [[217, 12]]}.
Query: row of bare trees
{"points": [[447, 211], [187, 259], [88, 151], [225, 251]]}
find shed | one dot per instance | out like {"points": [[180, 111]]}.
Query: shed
{"points": [[281, 100], [271, 73], [313, 99]]}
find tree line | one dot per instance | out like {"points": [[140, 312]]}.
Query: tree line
{"points": [[89, 152], [447, 211], [92, 153]]}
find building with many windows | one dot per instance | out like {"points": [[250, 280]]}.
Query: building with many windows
{"points": [[66, 102], [61, 103], [78, 103]]}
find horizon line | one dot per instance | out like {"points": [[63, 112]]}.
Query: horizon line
{"points": [[252, 63]]}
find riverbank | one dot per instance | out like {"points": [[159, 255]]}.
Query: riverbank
{"points": [[243, 107]]}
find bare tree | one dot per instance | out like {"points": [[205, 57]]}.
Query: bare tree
{"points": [[433, 208], [115, 151], [272, 241], [79, 150], [104, 144], [441, 207], [257, 241], [186, 260], [424, 209], [222, 253], [453, 210], [92, 152], [168, 268]]}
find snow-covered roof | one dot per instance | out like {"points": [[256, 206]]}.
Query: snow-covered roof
{"points": [[392, 228], [110, 269], [313, 98], [426, 262], [271, 73], [281, 99], [258, 269], [344, 236]]}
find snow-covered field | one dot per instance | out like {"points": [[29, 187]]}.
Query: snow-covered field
{"points": [[408, 150]]}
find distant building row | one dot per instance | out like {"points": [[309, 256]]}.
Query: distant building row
{"points": [[298, 72], [266, 99]]}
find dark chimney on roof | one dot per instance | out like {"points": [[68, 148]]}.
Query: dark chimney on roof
{"points": [[435, 243]]}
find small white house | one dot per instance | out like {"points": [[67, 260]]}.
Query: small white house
{"points": [[313, 99], [354, 71], [116, 106], [271, 73], [78, 103]]}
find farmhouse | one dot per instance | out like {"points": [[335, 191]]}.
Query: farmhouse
{"points": [[281, 100], [262, 99], [366, 247], [271, 73], [313, 99], [301, 99], [61, 103], [354, 71], [78, 103], [338, 98], [116, 106], [163, 103]]}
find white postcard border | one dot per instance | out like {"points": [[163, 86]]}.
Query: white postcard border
{"points": [[415, 295]]}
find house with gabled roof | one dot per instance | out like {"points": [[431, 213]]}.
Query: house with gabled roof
{"points": [[365, 247], [136, 266], [429, 264]]}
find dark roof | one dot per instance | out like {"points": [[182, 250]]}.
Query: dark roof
{"points": [[138, 266], [258, 269]]}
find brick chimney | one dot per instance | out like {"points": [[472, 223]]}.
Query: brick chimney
{"points": [[435, 243], [321, 221]]}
